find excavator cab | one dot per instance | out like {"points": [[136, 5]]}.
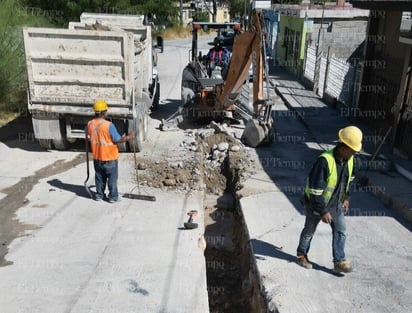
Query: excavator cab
{"points": [[208, 95]]}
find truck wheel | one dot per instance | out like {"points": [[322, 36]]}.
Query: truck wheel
{"points": [[145, 125], [121, 129], [136, 126], [46, 143], [156, 98], [61, 144]]}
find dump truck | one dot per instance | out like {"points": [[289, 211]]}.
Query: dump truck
{"points": [[226, 95], [104, 56]]}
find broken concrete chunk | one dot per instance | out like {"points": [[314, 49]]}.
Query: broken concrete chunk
{"points": [[169, 182], [235, 148], [223, 146]]}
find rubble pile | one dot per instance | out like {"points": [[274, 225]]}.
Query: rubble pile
{"points": [[199, 163]]}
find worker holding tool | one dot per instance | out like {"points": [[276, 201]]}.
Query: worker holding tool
{"points": [[326, 196], [104, 137]]}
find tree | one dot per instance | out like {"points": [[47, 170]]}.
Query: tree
{"points": [[160, 11], [12, 62], [239, 8]]}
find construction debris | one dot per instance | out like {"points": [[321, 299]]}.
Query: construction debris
{"points": [[211, 147]]}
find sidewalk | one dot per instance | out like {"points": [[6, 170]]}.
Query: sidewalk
{"points": [[389, 176], [378, 232]]}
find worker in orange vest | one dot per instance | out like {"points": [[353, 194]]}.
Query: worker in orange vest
{"points": [[104, 137]]}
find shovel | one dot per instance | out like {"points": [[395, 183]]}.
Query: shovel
{"points": [[88, 168]]}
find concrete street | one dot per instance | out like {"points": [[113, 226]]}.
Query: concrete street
{"points": [[73, 254], [63, 252]]}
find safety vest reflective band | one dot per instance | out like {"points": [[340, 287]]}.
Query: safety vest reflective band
{"points": [[101, 143], [220, 52], [332, 177]]}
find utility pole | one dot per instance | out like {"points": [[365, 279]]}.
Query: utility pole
{"points": [[181, 12], [318, 55], [214, 10]]}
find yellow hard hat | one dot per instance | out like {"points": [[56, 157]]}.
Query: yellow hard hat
{"points": [[352, 137], [100, 106]]}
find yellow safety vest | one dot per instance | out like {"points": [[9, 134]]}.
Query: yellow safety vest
{"points": [[332, 178]]}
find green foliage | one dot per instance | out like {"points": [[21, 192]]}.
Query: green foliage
{"points": [[60, 12], [237, 8], [12, 61], [202, 16]]}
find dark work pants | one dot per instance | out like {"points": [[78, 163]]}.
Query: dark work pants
{"points": [[106, 173]]}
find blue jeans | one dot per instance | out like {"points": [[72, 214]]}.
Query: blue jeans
{"points": [[106, 172], [338, 226]]}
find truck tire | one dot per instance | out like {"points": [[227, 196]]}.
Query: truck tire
{"points": [[145, 125], [156, 98], [59, 128], [46, 144], [60, 144], [121, 129], [136, 126]]}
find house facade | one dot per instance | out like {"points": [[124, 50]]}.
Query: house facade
{"points": [[189, 11], [337, 28], [385, 97]]}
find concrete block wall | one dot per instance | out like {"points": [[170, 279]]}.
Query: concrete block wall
{"points": [[340, 76], [344, 37]]}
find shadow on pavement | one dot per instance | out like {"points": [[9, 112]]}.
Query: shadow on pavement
{"points": [[263, 248], [18, 133], [78, 190]]}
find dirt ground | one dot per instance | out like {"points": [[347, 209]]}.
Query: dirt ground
{"points": [[206, 171]]}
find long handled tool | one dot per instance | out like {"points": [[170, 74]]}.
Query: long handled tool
{"points": [[137, 196], [87, 167]]}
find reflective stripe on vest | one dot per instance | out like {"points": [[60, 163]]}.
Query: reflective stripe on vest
{"points": [[220, 55], [332, 177], [101, 143]]}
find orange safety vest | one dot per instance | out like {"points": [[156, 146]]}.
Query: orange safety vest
{"points": [[103, 148]]}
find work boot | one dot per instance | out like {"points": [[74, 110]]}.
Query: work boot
{"points": [[114, 200], [343, 266], [303, 261]]}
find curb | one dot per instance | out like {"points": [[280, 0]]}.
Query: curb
{"points": [[400, 208]]}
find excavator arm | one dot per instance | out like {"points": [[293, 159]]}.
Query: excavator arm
{"points": [[248, 47]]}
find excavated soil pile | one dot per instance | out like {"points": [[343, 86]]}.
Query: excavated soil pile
{"points": [[203, 171]]}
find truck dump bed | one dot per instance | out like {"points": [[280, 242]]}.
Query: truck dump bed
{"points": [[104, 56], [69, 69]]}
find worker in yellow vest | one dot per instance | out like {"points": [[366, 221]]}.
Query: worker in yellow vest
{"points": [[104, 137], [327, 197]]}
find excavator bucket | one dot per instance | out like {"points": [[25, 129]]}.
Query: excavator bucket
{"points": [[257, 132]]}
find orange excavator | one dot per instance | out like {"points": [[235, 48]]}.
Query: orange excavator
{"points": [[226, 96]]}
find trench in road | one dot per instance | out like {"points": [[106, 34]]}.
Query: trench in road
{"points": [[233, 280], [15, 198]]}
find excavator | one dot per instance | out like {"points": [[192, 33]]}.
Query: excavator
{"points": [[226, 95]]}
